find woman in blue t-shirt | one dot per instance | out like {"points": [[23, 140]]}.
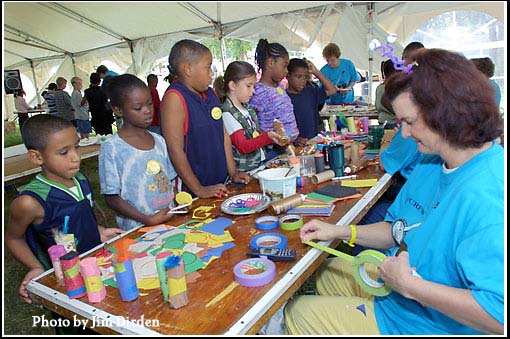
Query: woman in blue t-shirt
{"points": [[443, 235]]}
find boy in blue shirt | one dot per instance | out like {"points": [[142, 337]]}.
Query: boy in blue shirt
{"points": [[305, 98], [59, 191]]}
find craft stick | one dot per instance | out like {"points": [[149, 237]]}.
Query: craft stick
{"points": [[180, 206], [177, 212], [345, 177]]}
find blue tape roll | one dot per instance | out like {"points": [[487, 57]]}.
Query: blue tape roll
{"points": [[279, 239], [267, 222]]}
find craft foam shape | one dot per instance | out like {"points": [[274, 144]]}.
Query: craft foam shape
{"points": [[217, 226]]}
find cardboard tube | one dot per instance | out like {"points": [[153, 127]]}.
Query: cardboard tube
{"points": [[356, 166], [350, 125], [323, 176], [354, 152], [75, 286], [91, 274], [176, 278]]}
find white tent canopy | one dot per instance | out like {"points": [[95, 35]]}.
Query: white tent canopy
{"points": [[45, 40]]}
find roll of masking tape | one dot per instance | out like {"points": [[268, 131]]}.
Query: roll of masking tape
{"points": [[358, 267], [267, 222], [361, 276], [254, 272], [269, 240], [291, 222]]}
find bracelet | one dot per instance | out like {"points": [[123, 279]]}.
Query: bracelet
{"points": [[353, 236]]}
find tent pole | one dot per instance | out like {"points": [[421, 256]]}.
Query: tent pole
{"points": [[370, 20], [131, 52], [35, 83], [219, 28]]}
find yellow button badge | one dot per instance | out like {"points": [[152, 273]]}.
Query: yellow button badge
{"points": [[153, 167], [216, 113]]}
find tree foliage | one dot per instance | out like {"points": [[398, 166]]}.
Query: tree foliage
{"points": [[234, 48]]}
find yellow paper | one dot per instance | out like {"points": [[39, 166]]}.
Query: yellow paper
{"points": [[93, 284], [148, 283], [225, 237], [196, 237], [176, 286], [359, 183]]}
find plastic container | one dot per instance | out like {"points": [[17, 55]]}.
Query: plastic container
{"points": [[274, 182], [307, 165], [295, 163]]}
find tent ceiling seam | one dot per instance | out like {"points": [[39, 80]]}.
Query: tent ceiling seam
{"points": [[31, 45], [27, 36], [19, 55], [197, 12], [82, 19]]}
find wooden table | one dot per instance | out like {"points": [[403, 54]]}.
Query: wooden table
{"points": [[349, 111], [29, 112], [20, 166], [243, 310]]}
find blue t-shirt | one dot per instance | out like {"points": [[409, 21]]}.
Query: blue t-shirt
{"points": [[306, 110], [344, 74], [142, 178], [497, 90], [401, 155], [58, 202], [459, 243]]}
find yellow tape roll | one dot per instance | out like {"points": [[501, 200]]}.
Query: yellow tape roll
{"points": [[358, 267], [291, 222], [361, 276]]}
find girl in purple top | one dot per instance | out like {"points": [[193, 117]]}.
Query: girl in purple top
{"points": [[270, 99]]}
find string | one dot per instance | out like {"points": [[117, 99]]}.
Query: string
{"points": [[387, 51]]}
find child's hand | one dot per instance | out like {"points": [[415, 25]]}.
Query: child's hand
{"points": [[311, 67], [160, 217], [241, 177], [106, 233], [275, 137], [218, 191], [29, 276]]}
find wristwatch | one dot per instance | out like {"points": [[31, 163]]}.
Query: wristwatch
{"points": [[398, 227]]}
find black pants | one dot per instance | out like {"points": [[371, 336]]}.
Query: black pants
{"points": [[22, 117]]}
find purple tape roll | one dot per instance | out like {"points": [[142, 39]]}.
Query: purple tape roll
{"points": [[254, 272]]}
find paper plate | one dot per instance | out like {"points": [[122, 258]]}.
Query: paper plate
{"points": [[247, 203], [88, 142]]}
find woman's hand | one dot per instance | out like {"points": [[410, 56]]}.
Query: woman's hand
{"points": [[316, 229], [396, 272]]}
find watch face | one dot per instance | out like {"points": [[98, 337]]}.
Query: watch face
{"points": [[397, 230]]}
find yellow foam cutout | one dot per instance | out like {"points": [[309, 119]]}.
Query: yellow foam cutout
{"points": [[148, 283]]}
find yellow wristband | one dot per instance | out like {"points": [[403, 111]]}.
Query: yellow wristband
{"points": [[353, 236]]}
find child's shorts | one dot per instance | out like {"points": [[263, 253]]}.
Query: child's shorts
{"points": [[84, 126]]}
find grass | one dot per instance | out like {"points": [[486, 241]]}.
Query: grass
{"points": [[18, 315], [13, 139]]}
